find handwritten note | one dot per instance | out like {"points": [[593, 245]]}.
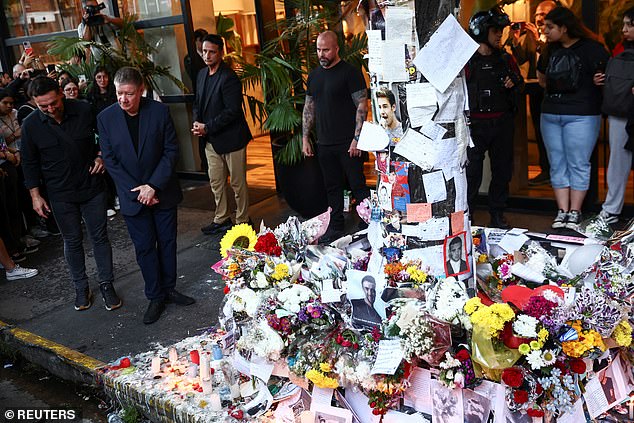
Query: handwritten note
{"points": [[261, 368], [432, 256], [417, 148], [434, 229], [418, 395], [435, 189], [410, 230], [241, 364], [320, 396], [375, 51], [418, 212], [595, 398], [398, 24], [421, 103], [439, 68], [511, 243], [457, 222], [433, 131], [388, 357], [372, 137], [450, 102], [394, 61]]}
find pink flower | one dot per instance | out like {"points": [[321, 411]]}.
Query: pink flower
{"points": [[458, 380], [505, 271]]}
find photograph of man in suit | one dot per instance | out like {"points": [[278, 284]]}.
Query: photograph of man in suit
{"points": [[220, 121], [455, 263], [140, 150], [364, 315]]}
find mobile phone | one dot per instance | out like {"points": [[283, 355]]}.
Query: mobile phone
{"points": [[50, 68], [27, 47], [82, 78]]}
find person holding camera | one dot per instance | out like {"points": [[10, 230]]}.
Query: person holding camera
{"points": [[493, 81], [98, 27]]}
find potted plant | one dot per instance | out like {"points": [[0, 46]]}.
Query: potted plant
{"points": [[280, 71]]}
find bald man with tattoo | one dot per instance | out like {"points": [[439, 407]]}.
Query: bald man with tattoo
{"points": [[336, 103]]}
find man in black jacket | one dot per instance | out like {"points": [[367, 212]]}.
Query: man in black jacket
{"points": [[219, 119], [59, 153]]}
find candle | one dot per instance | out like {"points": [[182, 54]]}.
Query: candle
{"points": [[235, 391], [194, 356], [204, 367], [206, 385], [214, 401], [173, 355], [156, 366], [631, 404]]}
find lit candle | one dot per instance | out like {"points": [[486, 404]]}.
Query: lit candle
{"points": [[631, 404], [156, 366], [194, 356], [204, 367], [206, 385], [214, 401], [173, 355]]}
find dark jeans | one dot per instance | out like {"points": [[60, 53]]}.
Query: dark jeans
{"points": [[496, 137], [337, 166], [535, 97], [68, 216], [153, 233]]}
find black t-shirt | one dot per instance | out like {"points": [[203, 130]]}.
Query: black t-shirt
{"points": [[586, 101], [335, 111], [133, 128]]}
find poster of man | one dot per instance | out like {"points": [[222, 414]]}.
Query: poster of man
{"points": [[476, 407], [368, 309], [386, 111], [455, 253]]}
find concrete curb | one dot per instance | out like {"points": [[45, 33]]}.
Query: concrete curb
{"points": [[61, 361]]}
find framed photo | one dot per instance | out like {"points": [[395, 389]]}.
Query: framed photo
{"points": [[455, 254], [364, 292], [328, 414]]}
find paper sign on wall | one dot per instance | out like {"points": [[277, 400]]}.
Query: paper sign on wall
{"points": [[418, 212]]}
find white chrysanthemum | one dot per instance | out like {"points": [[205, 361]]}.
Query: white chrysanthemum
{"points": [[535, 360], [551, 295], [549, 357], [261, 281], [525, 326]]}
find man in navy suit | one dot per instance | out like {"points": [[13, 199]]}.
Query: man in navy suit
{"points": [[220, 121], [140, 150]]}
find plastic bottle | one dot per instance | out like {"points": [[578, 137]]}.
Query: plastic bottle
{"points": [[220, 383]]}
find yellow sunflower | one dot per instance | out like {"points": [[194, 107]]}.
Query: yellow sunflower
{"points": [[240, 236]]}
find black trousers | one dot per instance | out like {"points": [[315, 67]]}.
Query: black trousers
{"points": [[535, 97], [337, 166], [496, 137]]}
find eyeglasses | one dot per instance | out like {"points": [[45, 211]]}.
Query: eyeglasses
{"points": [[70, 90]]}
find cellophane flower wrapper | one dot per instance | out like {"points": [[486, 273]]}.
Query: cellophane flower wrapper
{"points": [[523, 396], [484, 271], [491, 353], [595, 227]]}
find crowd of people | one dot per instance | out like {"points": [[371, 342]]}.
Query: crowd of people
{"points": [[577, 82]]}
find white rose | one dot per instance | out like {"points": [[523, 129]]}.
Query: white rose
{"points": [[261, 280]]}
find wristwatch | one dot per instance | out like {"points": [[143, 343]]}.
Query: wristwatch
{"points": [[356, 138]]}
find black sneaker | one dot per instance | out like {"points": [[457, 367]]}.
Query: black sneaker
{"points": [[541, 179], [574, 218], [330, 236], [499, 221], [560, 220], [214, 227], [18, 257], [110, 298], [30, 250], [83, 299], [153, 312], [176, 297]]}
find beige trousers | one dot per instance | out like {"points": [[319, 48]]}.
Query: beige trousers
{"points": [[234, 165]]}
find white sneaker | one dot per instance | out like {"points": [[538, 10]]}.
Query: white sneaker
{"points": [[29, 241], [608, 218], [111, 212], [117, 205], [20, 273]]}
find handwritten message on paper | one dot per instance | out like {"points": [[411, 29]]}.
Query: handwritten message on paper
{"points": [[421, 103], [388, 357], [320, 396], [433, 131], [440, 68], [435, 189], [394, 61], [398, 24], [261, 368], [375, 51], [457, 222], [418, 212], [434, 229], [418, 395]]}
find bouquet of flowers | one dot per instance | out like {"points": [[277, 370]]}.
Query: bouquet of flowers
{"points": [[407, 272]]}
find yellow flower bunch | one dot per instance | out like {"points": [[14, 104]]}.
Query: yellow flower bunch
{"points": [[542, 335], [321, 380], [416, 274], [588, 340], [281, 271], [472, 305], [390, 388], [233, 270], [325, 367], [491, 318], [482, 258], [622, 334]]}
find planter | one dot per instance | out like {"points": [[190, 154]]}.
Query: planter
{"points": [[302, 185]]}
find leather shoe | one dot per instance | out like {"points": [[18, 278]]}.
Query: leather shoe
{"points": [[176, 297], [153, 311], [214, 227], [498, 221]]}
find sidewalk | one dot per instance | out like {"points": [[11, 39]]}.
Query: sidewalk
{"points": [[41, 318]]}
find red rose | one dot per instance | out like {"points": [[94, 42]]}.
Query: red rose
{"points": [[462, 355], [535, 412], [513, 377], [227, 289], [539, 389], [520, 396], [578, 366], [267, 244]]}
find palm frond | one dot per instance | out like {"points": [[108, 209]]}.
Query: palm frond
{"points": [[291, 153]]}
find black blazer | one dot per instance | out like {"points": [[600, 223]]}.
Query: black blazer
{"points": [[218, 105], [154, 164]]}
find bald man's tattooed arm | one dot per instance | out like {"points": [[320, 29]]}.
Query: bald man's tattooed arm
{"points": [[308, 119], [360, 99]]}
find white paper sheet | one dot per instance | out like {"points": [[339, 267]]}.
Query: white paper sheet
{"points": [[418, 395], [394, 62], [320, 396], [359, 403], [433, 60], [494, 236], [398, 24], [240, 363], [435, 189], [388, 357], [372, 137], [575, 416], [431, 256], [434, 229], [522, 271], [596, 402], [433, 131], [450, 102], [261, 368], [512, 243], [417, 148], [421, 103], [398, 417], [375, 51], [410, 230]]}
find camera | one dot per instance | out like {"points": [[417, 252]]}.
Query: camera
{"points": [[94, 14], [515, 26]]}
